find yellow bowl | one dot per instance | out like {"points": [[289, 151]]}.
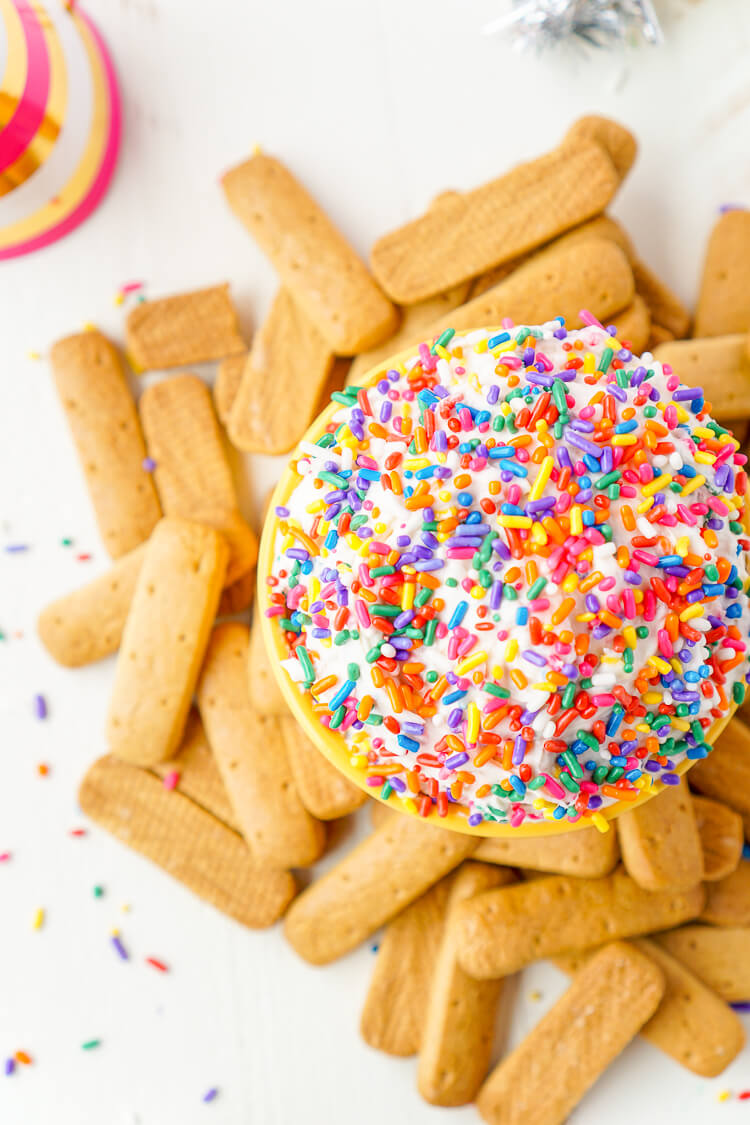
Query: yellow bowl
{"points": [[334, 745]]}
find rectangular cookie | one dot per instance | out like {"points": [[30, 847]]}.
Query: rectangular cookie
{"points": [[614, 138], [722, 837], [323, 790], [725, 773], [189, 843], [724, 298], [192, 474], [459, 1021], [494, 223], [282, 381], [667, 310], [719, 957], [379, 878], [394, 1011], [728, 900], [544, 1078], [312, 258], [198, 775], [104, 423], [226, 385], [660, 843], [251, 754], [692, 1025], [86, 625], [592, 275], [633, 324], [587, 852], [721, 366], [265, 693], [502, 931], [164, 638], [193, 327]]}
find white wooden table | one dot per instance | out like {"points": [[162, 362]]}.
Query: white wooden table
{"points": [[377, 107]]}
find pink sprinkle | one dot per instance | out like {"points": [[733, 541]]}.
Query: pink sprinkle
{"points": [[171, 779], [275, 611], [552, 787], [5, 856], [588, 318], [460, 553], [131, 287]]}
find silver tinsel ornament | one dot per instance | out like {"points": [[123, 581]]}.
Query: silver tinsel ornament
{"points": [[539, 24]]}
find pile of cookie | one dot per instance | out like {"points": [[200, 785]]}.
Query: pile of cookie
{"points": [[208, 774]]}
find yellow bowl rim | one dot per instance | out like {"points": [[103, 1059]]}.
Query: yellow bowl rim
{"points": [[332, 744]]}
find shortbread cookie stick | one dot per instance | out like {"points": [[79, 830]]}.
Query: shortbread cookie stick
{"points": [[195, 773], [239, 596], [281, 384], [102, 417], [494, 223], [668, 313], [502, 931], [618, 141], [414, 318], [660, 843], [313, 260], [718, 957], [394, 1012], [186, 841], [724, 299], [728, 900], [265, 693], [188, 328], [380, 877], [692, 1024], [323, 790], [725, 773], [604, 1008], [588, 852], [592, 275], [251, 755], [87, 624], [721, 366], [226, 385], [460, 1019], [722, 837], [659, 335], [633, 324], [192, 474], [164, 639]]}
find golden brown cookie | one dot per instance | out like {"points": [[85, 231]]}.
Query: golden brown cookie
{"points": [[720, 366], [380, 877], [187, 328], [588, 852], [724, 298], [660, 843], [394, 1012], [226, 385], [251, 754], [323, 790], [265, 693], [186, 841], [494, 223], [313, 260], [728, 900], [722, 837], [104, 423], [196, 773], [502, 931], [618, 141], [719, 957], [87, 624], [633, 324], [192, 474], [459, 1022], [668, 314], [725, 773], [165, 636], [604, 1008]]}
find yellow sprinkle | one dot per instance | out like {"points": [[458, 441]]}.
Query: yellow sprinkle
{"points": [[442, 352], [469, 663], [656, 485], [511, 651], [472, 723], [703, 457], [600, 822], [576, 520], [682, 546], [624, 439], [680, 724], [545, 687], [703, 431], [724, 1096], [569, 583], [631, 638], [407, 595], [477, 592], [444, 495], [315, 507], [692, 484], [652, 697], [514, 521], [33, 355], [645, 505], [89, 327], [38, 919], [481, 346], [497, 671], [539, 535], [537, 488], [694, 610], [589, 363], [414, 464], [658, 663]]}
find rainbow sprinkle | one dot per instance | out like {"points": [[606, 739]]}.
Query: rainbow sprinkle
{"points": [[512, 575]]}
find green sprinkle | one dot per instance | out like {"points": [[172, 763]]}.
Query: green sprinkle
{"points": [[571, 785], [432, 677], [485, 579], [642, 632], [510, 592], [585, 683], [599, 774], [572, 763], [379, 571], [90, 1044], [568, 695], [98, 891], [614, 774], [332, 478], [606, 359], [558, 395], [500, 692], [429, 633], [386, 791], [353, 671], [498, 423], [535, 588], [338, 717], [738, 693], [374, 720], [344, 398], [649, 411], [384, 609], [373, 655], [423, 597], [341, 638], [607, 479], [536, 783], [358, 521], [304, 659], [451, 582], [736, 527], [587, 737], [443, 339], [66, 542]]}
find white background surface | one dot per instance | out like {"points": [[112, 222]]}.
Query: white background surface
{"points": [[377, 107]]}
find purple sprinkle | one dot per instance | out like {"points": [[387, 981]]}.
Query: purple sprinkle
{"points": [[638, 376], [149, 465], [10, 1066], [670, 778], [684, 394], [477, 818], [15, 548], [122, 951], [519, 749], [210, 1094], [739, 1006], [40, 706], [457, 760]]}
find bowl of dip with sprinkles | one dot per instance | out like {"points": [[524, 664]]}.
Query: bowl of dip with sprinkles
{"points": [[503, 581]]}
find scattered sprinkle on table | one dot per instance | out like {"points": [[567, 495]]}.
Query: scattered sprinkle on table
{"points": [[121, 950], [157, 964], [171, 779], [38, 920], [40, 706], [91, 1044], [211, 1094]]}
